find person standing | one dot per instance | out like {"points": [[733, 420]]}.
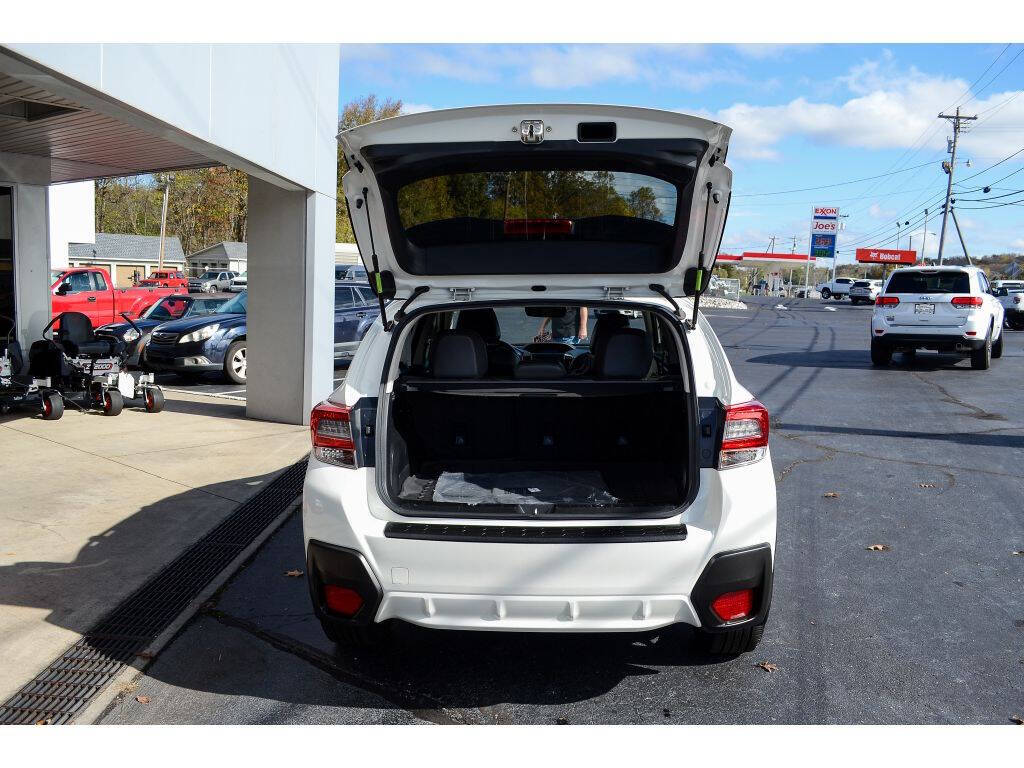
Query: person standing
{"points": [[570, 328]]}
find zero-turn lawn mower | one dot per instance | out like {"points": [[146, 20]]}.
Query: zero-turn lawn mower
{"points": [[17, 391], [86, 367]]}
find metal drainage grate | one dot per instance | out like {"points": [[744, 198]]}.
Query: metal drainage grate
{"points": [[64, 688]]}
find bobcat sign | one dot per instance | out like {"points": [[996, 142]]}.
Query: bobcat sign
{"points": [[885, 256]]}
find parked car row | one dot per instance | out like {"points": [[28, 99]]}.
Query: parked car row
{"points": [[191, 336]]}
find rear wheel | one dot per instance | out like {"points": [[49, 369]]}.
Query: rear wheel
{"points": [[113, 403], [981, 359], [881, 354], [731, 642], [997, 347], [53, 406], [235, 362], [154, 400], [826, 293]]}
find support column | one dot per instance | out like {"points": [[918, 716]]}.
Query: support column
{"points": [[290, 325]]}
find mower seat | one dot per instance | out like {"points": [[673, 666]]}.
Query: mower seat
{"points": [[77, 338]]}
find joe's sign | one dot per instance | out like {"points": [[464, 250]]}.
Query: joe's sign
{"points": [[885, 256]]}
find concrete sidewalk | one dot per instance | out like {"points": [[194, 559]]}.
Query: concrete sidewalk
{"points": [[91, 506]]}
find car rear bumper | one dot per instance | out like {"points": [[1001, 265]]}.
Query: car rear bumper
{"points": [[942, 342], [550, 586]]}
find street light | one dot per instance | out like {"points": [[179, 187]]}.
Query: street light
{"points": [[897, 235]]}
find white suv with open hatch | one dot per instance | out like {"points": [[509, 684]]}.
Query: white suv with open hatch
{"points": [[539, 433]]}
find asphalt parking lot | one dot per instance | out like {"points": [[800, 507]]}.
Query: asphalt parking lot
{"points": [[924, 459]]}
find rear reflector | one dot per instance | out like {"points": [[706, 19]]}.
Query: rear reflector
{"points": [[331, 431], [733, 606], [342, 600], [966, 301], [745, 437], [887, 301]]}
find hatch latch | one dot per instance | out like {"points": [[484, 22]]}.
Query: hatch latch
{"points": [[461, 294], [614, 293]]}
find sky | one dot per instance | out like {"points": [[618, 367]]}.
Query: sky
{"points": [[802, 116]]}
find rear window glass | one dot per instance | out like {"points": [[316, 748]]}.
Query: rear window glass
{"points": [[929, 282], [592, 221], [550, 200]]}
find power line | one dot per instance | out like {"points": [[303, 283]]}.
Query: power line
{"points": [[837, 184]]}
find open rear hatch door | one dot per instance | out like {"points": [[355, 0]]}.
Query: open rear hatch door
{"points": [[573, 200]]}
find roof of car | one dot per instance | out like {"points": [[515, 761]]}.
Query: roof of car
{"points": [[937, 268]]}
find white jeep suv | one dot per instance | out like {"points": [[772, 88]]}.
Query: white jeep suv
{"points": [[540, 434], [947, 309]]}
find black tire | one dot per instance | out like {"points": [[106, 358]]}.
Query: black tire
{"points": [[52, 406], [981, 359], [881, 354], [113, 403], [854, 301], [212, 289], [909, 355], [154, 398], [997, 346], [1017, 325], [826, 293], [359, 636], [732, 642], [232, 371]]}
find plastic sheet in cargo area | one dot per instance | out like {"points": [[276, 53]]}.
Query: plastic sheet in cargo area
{"points": [[584, 488]]}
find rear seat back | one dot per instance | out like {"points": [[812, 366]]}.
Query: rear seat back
{"points": [[459, 355], [627, 354]]}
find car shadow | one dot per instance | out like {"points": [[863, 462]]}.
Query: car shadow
{"points": [[860, 358]]}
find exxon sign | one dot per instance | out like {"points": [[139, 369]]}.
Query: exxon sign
{"points": [[824, 227]]}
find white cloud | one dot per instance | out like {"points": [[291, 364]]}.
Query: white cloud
{"points": [[888, 109], [411, 108], [1018, 244]]}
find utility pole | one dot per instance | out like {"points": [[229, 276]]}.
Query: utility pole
{"points": [[924, 237], [960, 234], [949, 170], [163, 222]]}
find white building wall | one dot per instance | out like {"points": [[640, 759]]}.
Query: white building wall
{"points": [[72, 218]]}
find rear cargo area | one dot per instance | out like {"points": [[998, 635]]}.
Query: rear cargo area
{"points": [[570, 449]]}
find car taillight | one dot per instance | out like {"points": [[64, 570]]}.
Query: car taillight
{"points": [[734, 605], [745, 438], [331, 431], [966, 301], [1016, 299], [342, 600], [887, 301]]}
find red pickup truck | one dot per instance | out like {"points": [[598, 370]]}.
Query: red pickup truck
{"points": [[90, 291], [167, 279]]}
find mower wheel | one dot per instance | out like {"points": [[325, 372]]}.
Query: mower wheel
{"points": [[113, 403], [53, 406], [154, 399]]}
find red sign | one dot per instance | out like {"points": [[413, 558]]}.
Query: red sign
{"points": [[787, 257], [886, 256]]}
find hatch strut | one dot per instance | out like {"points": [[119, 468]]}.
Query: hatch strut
{"points": [[376, 267], [699, 282]]}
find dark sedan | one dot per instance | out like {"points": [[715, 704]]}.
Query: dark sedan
{"points": [[196, 345], [176, 307], [355, 310]]}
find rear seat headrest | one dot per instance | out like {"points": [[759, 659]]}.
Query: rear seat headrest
{"points": [[459, 355], [483, 321], [627, 355]]}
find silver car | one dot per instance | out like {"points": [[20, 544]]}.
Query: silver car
{"points": [[865, 291], [211, 281]]}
